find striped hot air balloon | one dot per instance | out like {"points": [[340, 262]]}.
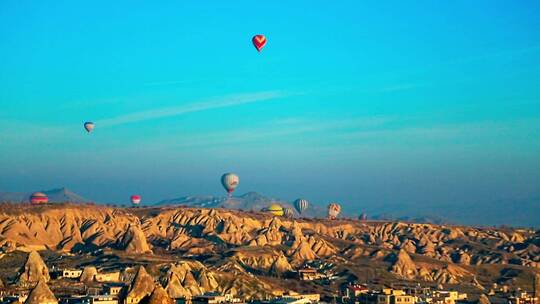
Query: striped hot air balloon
{"points": [[38, 198], [135, 199], [333, 210], [274, 209], [89, 126], [230, 181], [301, 205], [288, 212]]}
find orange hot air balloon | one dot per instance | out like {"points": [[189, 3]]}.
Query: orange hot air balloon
{"points": [[259, 41]]}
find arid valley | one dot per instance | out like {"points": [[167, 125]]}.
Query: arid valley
{"points": [[252, 255]]}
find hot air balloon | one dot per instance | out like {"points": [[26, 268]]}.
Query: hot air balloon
{"points": [[274, 209], [301, 205], [288, 212], [230, 181], [38, 198], [135, 199], [333, 210], [363, 217], [89, 126], [259, 41]]}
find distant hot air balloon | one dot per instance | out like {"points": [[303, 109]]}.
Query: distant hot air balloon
{"points": [[259, 41], [230, 181], [89, 126], [274, 209], [301, 205], [135, 199], [288, 212], [362, 217], [38, 198], [333, 210]]}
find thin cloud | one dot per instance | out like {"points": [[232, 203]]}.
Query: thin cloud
{"points": [[399, 87], [285, 128], [357, 131], [17, 132], [226, 102], [170, 82], [450, 131]]}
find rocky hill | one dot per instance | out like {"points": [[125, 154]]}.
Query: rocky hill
{"points": [[251, 201], [41, 294], [192, 250], [34, 270]]}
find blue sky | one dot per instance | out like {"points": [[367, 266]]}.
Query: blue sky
{"points": [[360, 102]]}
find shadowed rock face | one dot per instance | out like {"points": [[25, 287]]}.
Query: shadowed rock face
{"points": [[34, 270], [175, 289], [134, 241], [248, 246], [158, 296], [190, 278], [404, 266], [302, 252], [142, 286], [484, 299], [41, 294], [536, 285], [280, 266], [88, 275]]}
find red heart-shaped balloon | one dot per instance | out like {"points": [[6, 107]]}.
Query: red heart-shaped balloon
{"points": [[259, 41]]}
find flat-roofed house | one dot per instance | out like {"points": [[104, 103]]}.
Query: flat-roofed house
{"points": [[113, 288], [71, 273], [108, 277]]}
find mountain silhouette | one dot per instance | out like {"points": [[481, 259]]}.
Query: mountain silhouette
{"points": [[59, 195], [250, 201]]}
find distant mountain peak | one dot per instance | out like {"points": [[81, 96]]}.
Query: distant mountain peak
{"points": [[250, 201], [253, 195], [63, 190], [56, 195]]}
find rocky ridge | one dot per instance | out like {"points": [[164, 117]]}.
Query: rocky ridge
{"points": [[247, 247]]}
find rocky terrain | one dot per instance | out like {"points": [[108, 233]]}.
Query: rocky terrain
{"points": [[188, 251]]}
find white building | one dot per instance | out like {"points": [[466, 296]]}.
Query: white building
{"points": [[71, 273]]}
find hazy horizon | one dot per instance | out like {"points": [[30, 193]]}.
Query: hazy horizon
{"points": [[367, 104]]}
